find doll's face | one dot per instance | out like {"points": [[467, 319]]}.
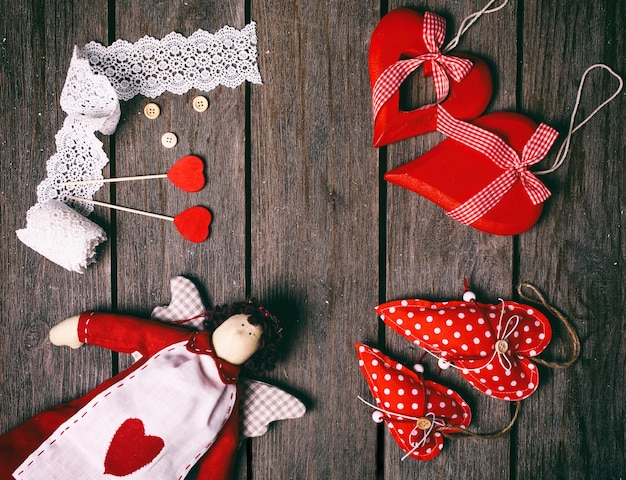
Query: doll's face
{"points": [[237, 339]]}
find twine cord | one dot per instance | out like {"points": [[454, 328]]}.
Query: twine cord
{"points": [[564, 149], [485, 436], [540, 299], [447, 431], [470, 20]]}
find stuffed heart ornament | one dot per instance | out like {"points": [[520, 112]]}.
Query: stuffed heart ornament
{"points": [[490, 345], [131, 449], [479, 174], [416, 411], [187, 173], [402, 41], [193, 223]]}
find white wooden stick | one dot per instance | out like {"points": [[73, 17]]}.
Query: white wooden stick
{"points": [[123, 209], [117, 179]]}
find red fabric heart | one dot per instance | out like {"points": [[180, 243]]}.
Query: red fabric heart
{"points": [[193, 223], [416, 411], [399, 35], [187, 173], [451, 173], [489, 344], [131, 449]]}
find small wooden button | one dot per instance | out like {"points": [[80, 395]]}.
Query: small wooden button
{"points": [[502, 346], [424, 423], [169, 140], [200, 103], [152, 111]]}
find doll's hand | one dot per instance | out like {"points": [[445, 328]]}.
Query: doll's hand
{"points": [[66, 333]]}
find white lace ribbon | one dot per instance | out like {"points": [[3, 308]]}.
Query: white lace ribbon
{"points": [[99, 77], [176, 63]]}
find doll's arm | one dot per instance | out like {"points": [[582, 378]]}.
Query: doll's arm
{"points": [[121, 333]]}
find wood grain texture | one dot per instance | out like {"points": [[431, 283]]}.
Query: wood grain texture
{"points": [[574, 428], [428, 254], [304, 222], [314, 228], [37, 41]]}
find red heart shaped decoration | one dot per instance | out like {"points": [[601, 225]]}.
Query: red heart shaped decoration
{"points": [[187, 173], [491, 345], [193, 223], [451, 173], [131, 449], [415, 410], [399, 35]]}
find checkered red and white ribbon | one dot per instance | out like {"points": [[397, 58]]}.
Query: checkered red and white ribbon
{"points": [[505, 157], [443, 66]]}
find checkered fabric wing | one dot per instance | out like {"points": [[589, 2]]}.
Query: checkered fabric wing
{"points": [[186, 303], [263, 404]]}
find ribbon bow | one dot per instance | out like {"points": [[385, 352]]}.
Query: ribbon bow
{"points": [[504, 156], [443, 66]]}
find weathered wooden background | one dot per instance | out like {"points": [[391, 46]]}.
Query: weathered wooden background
{"points": [[304, 222]]}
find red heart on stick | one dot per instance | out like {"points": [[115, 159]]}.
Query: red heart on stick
{"points": [[131, 449], [451, 173], [193, 223], [187, 173], [399, 36]]}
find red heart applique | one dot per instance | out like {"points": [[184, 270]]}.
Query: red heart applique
{"points": [[131, 449], [415, 411], [479, 174], [187, 173], [193, 223], [400, 35], [490, 345]]}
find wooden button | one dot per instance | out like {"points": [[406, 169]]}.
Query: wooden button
{"points": [[152, 111], [200, 103], [424, 423], [169, 140], [502, 346]]}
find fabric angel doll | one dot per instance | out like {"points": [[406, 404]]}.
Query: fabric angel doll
{"points": [[175, 407]]}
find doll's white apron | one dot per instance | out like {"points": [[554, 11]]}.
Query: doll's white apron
{"points": [[153, 424]]}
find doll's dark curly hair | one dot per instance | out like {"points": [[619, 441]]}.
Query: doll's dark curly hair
{"points": [[264, 359]]}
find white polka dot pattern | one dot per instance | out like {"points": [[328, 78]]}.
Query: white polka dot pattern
{"points": [[414, 410], [489, 344]]}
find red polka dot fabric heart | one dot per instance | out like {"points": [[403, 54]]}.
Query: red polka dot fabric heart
{"points": [[403, 41], [490, 345], [416, 411]]}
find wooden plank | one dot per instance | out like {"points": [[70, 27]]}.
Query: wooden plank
{"points": [[36, 49], [150, 251], [573, 426], [314, 229], [428, 254]]}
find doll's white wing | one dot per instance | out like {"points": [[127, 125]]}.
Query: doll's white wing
{"points": [[186, 303], [262, 404]]}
